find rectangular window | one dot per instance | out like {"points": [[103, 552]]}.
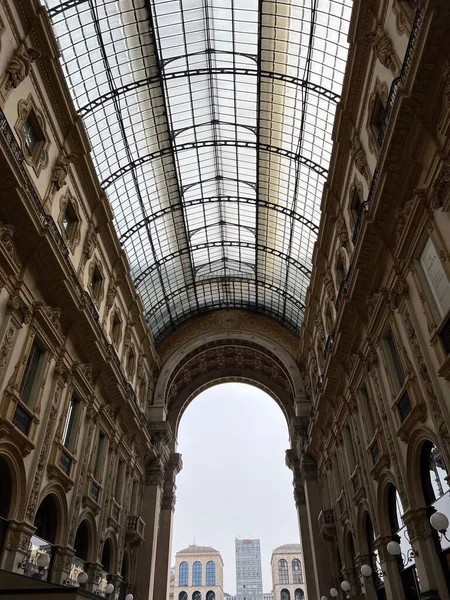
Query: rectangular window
{"points": [[33, 373], [369, 419], [69, 431], [29, 135], [350, 448], [395, 367], [436, 277], [119, 482], [99, 456], [134, 498]]}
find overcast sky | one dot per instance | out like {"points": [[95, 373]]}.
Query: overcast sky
{"points": [[234, 482]]}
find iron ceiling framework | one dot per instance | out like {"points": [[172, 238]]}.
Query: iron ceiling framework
{"points": [[210, 123]]}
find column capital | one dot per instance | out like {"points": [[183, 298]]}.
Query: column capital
{"points": [[154, 473], [160, 432], [308, 467], [168, 500], [417, 522], [175, 463], [299, 494]]}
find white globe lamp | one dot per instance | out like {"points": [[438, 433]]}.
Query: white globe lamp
{"points": [[345, 585], [109, 588], [43, 560], [366, 570], [334, 593], [82, 577], [394, 548], [439, 522], [129, 597]]}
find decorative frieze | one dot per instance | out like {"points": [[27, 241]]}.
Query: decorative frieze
{"points": [[360, 159], [384, 49]]}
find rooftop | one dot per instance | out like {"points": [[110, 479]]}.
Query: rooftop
{"points": [[198, 550], [288, 548]]}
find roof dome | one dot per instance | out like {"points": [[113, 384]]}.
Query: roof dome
{"points": [[197, 550], [288, 548]]}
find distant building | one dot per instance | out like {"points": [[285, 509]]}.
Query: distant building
{"points": [[287, 573], [198, 574], [248, 570]]}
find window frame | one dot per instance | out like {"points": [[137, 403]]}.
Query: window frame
{"points": [[32, 397]]}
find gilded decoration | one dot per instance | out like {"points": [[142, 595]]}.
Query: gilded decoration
{"points": [[71, 234], [379, 95], [38, 158]]}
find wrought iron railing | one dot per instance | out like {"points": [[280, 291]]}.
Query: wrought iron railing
{"points": [[47, 222], [343, 288], [401, 79], [22, 420], [65, 462], [375, 451]]}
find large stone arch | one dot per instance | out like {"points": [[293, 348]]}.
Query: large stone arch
{"points": [[213, 357]]}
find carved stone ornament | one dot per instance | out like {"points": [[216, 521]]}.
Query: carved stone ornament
{"points": [[154, 473], [19, 66], [6, 345], [73, 234], [440, 188], [111, 295], [61, 170], [404, 16], [384, 50], [342, 231], [127, 335], [329, 285], [308, 467], [168, 500], [38, 158], [85, 370], [90, 244], [360, 159], [20, 308], [6, 243]]}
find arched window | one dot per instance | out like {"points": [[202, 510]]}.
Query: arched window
{"points": [[106, 556], [285, 595], [374, 554], [297, 575], [5, 489], [352, 552], [211, 595], [45, 520], [197, 595], [299, 594], [197, 573], [182, 596], [183, 574], [81, 544], [433, 473], [210, 573], [395, 509], [283, 572]]}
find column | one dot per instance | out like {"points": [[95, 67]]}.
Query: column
{"points": [[392, 579], [151, 506], [318, 575], [428, 565], [163, 555]]}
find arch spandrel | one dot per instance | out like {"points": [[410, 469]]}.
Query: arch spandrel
{"points": [[233, 320]]}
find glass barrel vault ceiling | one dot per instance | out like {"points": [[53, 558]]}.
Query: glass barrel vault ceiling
{"points": [[210, 123]]}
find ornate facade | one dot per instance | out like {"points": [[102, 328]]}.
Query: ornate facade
{"points": [[287, 573], [90, 407], [198, 574]]}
